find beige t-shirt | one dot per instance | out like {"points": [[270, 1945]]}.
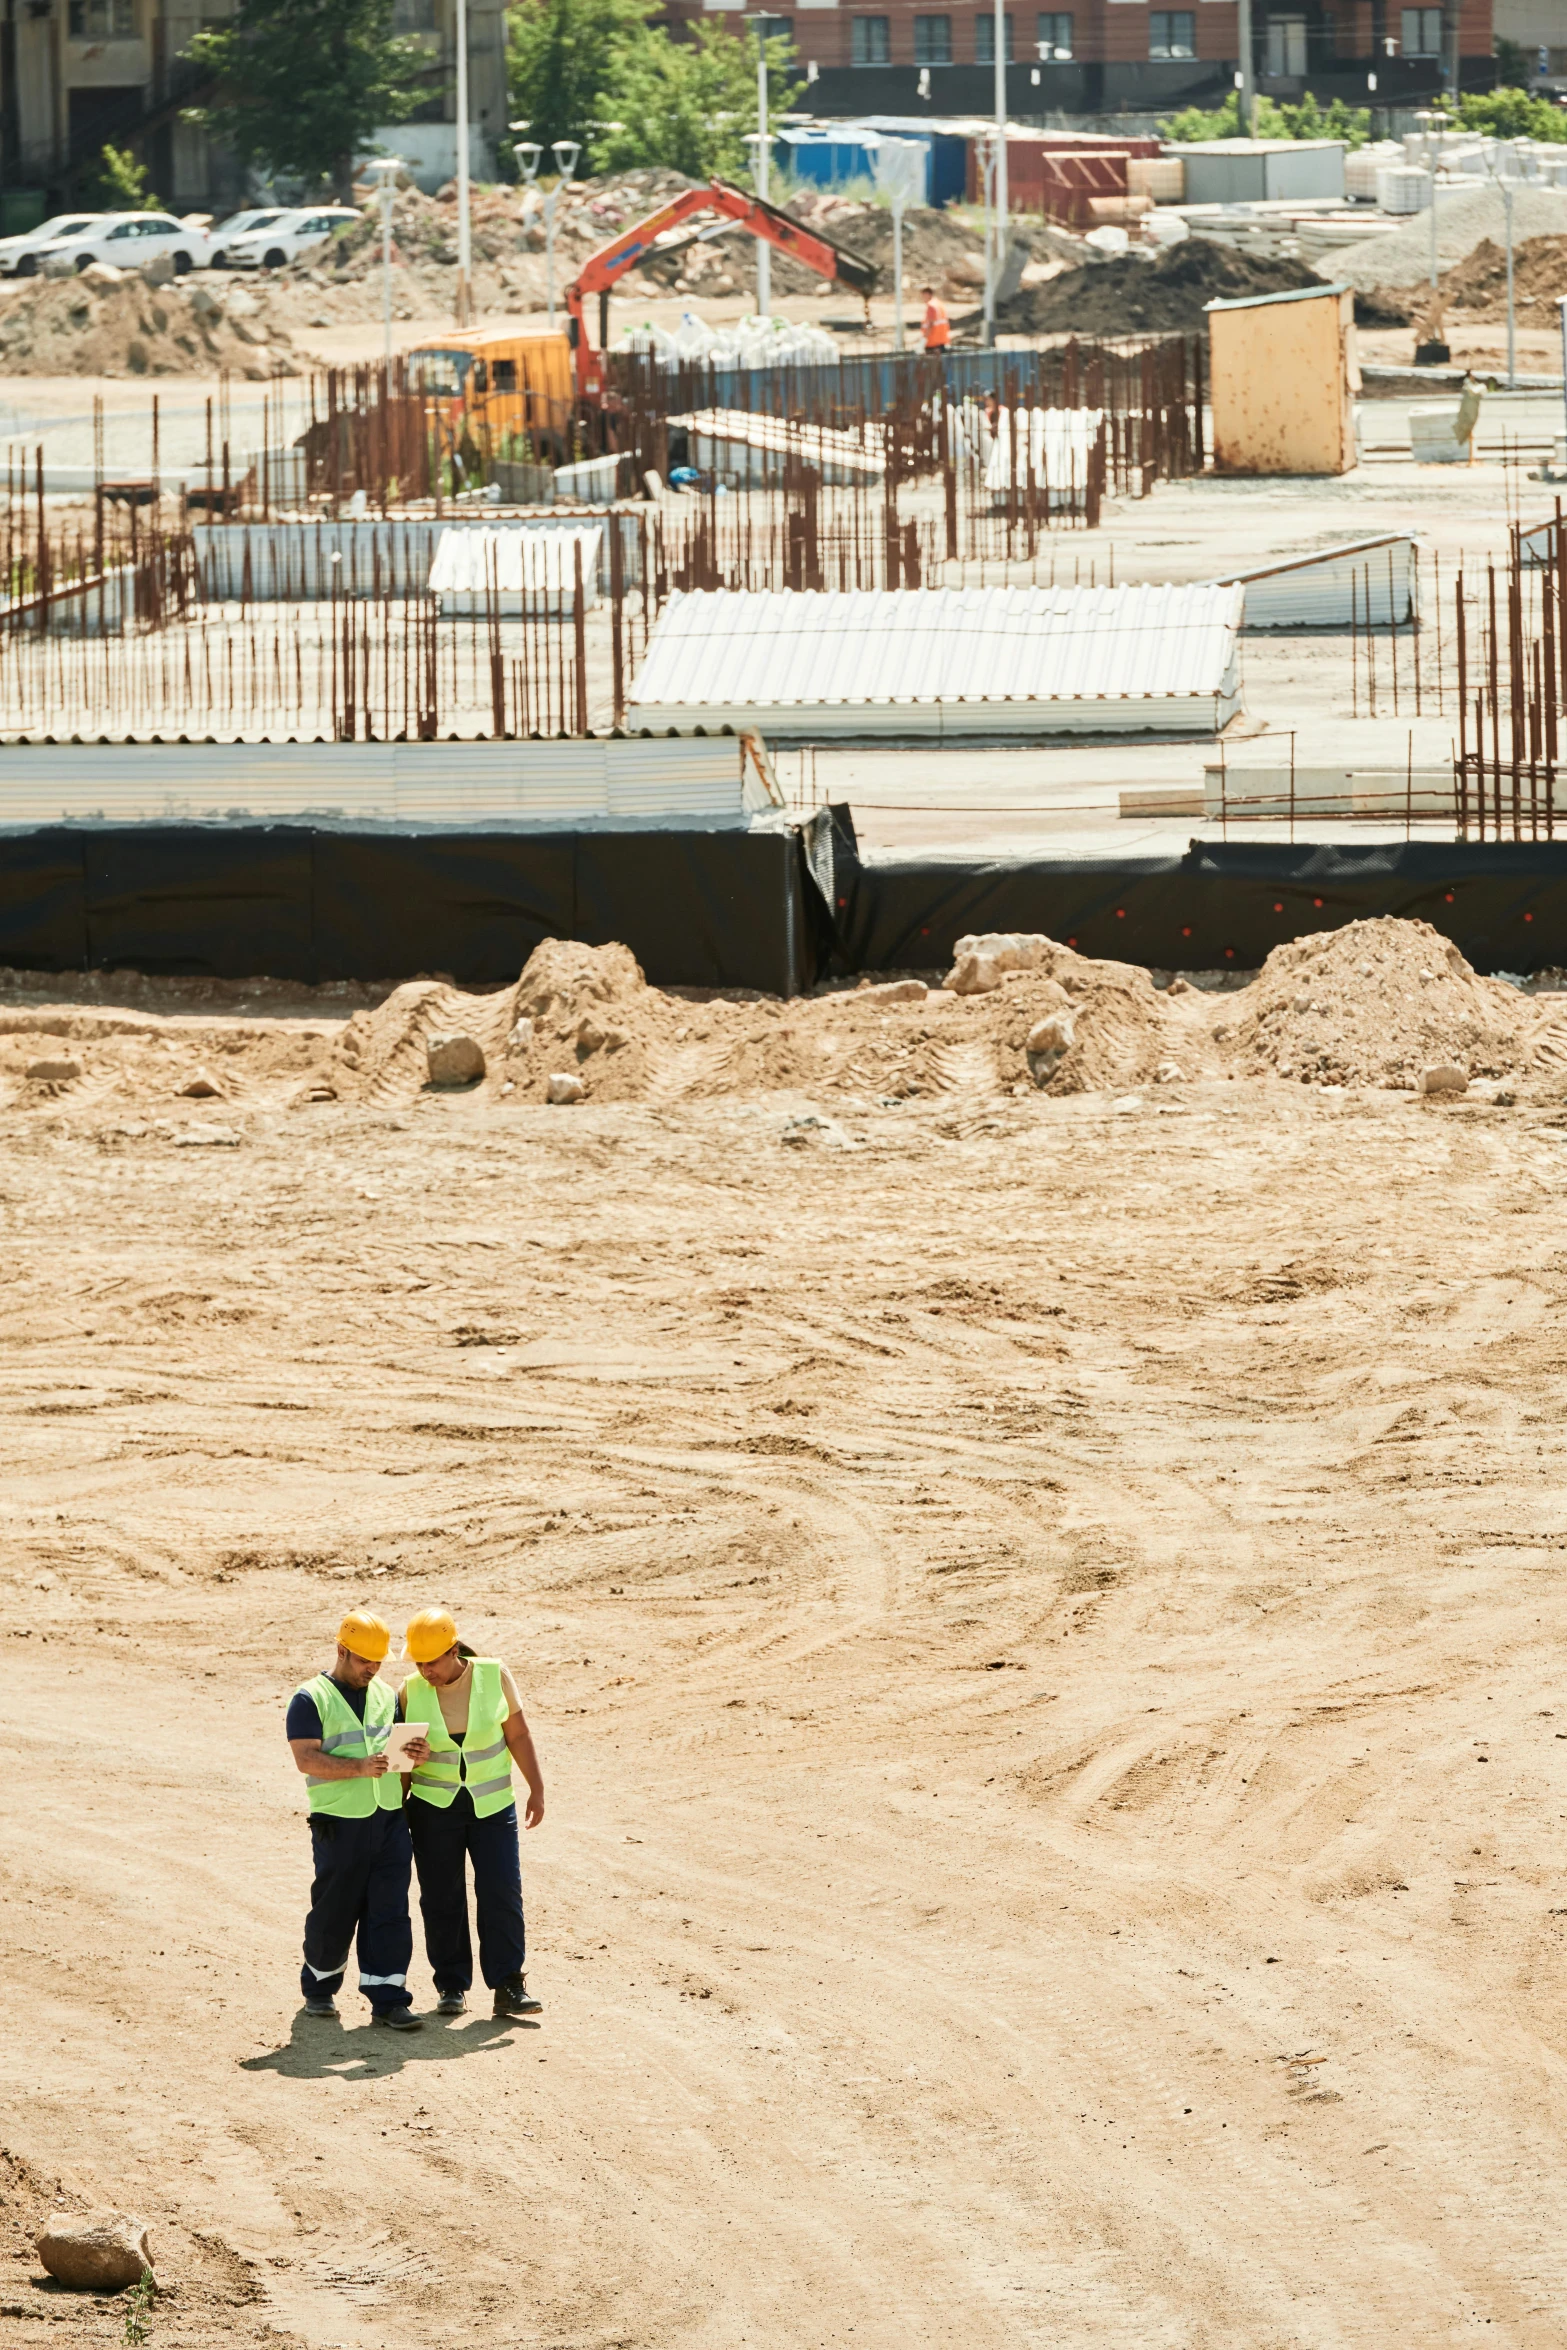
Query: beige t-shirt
{"points": [[453, 1700]]}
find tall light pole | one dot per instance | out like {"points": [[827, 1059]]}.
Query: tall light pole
{"points": [[1245, 80], [386, 169], [566, 153], [764, 253], [1001, 155], [464, 207]]}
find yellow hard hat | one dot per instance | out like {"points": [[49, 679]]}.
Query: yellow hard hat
{"points": [[364, 1635], [430, 1634]]}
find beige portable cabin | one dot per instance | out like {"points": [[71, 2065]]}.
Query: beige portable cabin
{"points": [[1283, 377]]}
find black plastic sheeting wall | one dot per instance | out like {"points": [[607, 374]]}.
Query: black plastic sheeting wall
{"points": [[764, 910], [1504, 903], [318, 901]]}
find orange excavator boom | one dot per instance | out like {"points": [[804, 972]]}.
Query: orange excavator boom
{"points": [[751, 213]]}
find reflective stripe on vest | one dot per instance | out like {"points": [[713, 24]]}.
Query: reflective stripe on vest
{"points": [[482, 1763], [342, 1732]]}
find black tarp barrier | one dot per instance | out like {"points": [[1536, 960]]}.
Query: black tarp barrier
{"points": [[764, 910], [475, 905], [1503, 903], [318, 901], [43, 900]]}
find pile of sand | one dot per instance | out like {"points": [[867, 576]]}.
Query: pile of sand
{"points": [[1373, 1004], [1166, 295], [105, 322], [1377, 1003], [1464, 219]]}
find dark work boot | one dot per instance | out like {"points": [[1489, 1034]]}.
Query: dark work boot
{"points": [[514, 1998]]}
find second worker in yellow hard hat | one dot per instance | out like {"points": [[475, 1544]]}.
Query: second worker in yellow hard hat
{"points": [[461, 1812]]}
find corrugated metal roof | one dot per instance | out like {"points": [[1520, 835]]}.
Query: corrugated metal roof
{"points": [[945, 660], [514, 571], [313, 561], [1375, 581], [703, 781], [1269, 301]]}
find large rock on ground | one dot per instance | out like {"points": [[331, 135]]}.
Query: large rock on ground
{"points": [[454, 1059], [100, 2254]]}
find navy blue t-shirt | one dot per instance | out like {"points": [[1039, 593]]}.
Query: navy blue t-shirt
{"points": [[304, 1715]]}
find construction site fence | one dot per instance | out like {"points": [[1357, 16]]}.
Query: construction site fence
{"points": [[1151, 395]]}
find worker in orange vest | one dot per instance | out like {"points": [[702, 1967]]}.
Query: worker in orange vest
{"points": [[938, 327]]}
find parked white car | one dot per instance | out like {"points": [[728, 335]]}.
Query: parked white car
{"points": [[239, 224], [19, 255], [128, 239], [294, 233]]}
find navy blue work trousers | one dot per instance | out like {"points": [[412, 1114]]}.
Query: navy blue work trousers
{"points": [[443, 1839], [360, 1894]]}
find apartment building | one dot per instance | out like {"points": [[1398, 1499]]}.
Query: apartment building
{"points": [[75, 73], [1118, 56]]}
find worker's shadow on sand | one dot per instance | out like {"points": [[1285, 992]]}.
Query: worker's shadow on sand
{"points": [[318, 2051]]}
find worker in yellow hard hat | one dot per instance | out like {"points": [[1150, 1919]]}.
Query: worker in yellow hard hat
{"points": [[461, 1809], [338, 1727]]}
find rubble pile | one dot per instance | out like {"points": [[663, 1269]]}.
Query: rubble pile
{"points": [[115, 322]]}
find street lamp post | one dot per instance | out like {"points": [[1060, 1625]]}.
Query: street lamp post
{"points": [[1000, 38], [386, 169], [566, 153], [464, 205]]}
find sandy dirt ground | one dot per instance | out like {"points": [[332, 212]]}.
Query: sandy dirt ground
{"points": [[1040, 1612]]}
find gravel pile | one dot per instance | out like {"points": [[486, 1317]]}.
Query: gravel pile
{"points": [[1462, 221]]}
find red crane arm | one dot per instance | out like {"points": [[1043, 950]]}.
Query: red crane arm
{"points": [[752, 213]]}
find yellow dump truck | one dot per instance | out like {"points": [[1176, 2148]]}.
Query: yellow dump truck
{"points": [[502, 394]]}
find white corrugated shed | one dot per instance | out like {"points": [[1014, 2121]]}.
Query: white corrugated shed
{"points": [[312, 561], [513, 572], [751, 449], [946, 662], [1367, 579], [703, 783]]}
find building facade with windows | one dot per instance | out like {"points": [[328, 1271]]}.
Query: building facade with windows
{"points": [[75, 74], [1120, 56]]}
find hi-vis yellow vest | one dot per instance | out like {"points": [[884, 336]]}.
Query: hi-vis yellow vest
{"points": [[343, 1733], [481, 1763]]}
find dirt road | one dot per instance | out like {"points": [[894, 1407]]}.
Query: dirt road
{"points": [[1042, 1620]]}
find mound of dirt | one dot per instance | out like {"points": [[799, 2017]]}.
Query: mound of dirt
{"points": [[1131, 295], [1477, 288], [509, 266], [1373, 1004], [563, 979], [108, 322]]}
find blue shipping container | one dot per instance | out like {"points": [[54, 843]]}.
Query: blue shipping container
{"points": [[828, 159]]}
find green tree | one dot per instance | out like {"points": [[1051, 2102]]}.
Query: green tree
{"points": [[1512, 63], [120, 183], [305, 84], [560, 54], [1511, 114], [688, 104], [1308, 120]]}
